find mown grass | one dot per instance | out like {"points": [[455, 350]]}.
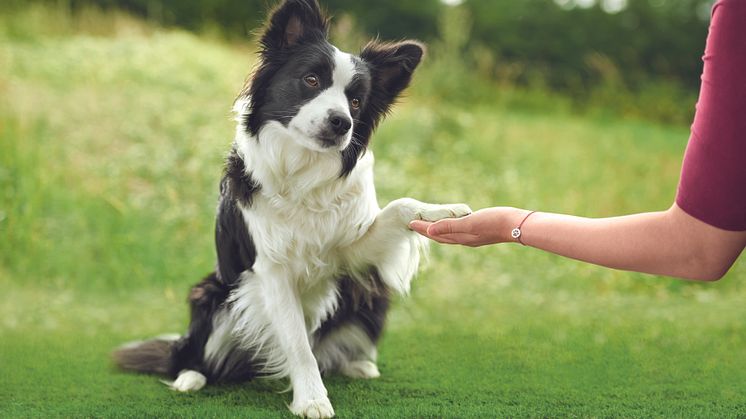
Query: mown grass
{"points": [[111, 142]]}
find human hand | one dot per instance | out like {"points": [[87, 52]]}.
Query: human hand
{"points": [[486, 226]]}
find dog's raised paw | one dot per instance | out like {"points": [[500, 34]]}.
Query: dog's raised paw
{"points": [[439, 212], [313, 409], [187, 380], [361, 369]]}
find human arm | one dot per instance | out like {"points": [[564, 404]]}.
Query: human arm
{"points": [[669, 242], [697, 238]]}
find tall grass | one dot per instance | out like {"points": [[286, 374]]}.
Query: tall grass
{"points": [[89, 124]]}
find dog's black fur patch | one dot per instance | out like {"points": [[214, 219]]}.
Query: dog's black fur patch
{"points": [[364, 306], [294, 44], [237, 185]]}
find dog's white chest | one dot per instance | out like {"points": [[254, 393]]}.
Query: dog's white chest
{"points": [[308, 236], [305, 243]]}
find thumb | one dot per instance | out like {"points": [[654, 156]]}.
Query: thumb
{"points": [[447, 226], [419, 226]]}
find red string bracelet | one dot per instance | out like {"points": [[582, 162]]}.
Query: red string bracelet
{"points": [[517, 233]]}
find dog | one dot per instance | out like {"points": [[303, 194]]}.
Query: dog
{"points": [[306, 260]]}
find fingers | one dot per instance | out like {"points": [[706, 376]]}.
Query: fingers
{"points": [[446, 231], [420, 226], [447, 226], [432, 229]]}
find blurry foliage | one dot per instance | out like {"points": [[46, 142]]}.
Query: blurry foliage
{"points": [[392, 19], [661, 38], [239, 18], [643, 60]]}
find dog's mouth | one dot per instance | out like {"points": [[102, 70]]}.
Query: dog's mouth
{"points": [[323, 140], [332, 141]]}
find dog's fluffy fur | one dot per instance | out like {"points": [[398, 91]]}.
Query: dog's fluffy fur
{"points": [[307, 260]]}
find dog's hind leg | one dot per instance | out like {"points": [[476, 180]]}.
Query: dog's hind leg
{"points": [[188, 380], [347, 341], [349, 351], [188, 364]]}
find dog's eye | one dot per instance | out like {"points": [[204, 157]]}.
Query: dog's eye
{"points": [[355, 103], [311, 80]]}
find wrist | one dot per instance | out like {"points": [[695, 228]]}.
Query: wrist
{"points": [[516, 222]]}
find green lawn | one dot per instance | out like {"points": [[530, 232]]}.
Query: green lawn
{"points": [[111, 141]]}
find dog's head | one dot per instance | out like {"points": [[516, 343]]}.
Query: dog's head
{"points": [[327, 100]]}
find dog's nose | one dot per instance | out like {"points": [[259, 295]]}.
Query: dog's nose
{"points": [[339, 122]]}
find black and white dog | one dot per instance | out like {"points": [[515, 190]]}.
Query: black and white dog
{"points": [[306, 258]]}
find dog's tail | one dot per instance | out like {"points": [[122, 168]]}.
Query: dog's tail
{"points": [[151, 356]]}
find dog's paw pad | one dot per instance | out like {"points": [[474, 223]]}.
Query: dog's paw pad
{"points": [[361, 369], [187, 380], [439, 212], [313, 409]]}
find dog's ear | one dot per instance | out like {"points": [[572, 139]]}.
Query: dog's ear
{"points": [[293, 22], [392, 65]]}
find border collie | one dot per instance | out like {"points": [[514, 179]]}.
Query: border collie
{"points": [[306, 259]]}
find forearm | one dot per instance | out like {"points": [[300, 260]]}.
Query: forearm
{"points": [[666, 243], [640, 242]]}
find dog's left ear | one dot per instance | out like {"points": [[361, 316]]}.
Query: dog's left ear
{"points": [[293, 22], [392, 66]]}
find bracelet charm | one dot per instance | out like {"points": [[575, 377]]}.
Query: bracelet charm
{"points": [[516, 233]]}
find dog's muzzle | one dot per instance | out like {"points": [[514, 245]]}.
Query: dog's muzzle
{"points": [[335, 129]]}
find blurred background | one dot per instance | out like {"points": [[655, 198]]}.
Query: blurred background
{"points": [[634, 57], [114, 122]]}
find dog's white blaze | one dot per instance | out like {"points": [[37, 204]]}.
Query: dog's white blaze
{"points": [[344, 71], [313, 115]]}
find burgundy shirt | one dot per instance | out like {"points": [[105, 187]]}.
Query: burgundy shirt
{"points": [[713, 177]]}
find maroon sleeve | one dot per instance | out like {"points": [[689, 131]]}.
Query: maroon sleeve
{"points": [[712, 187]]}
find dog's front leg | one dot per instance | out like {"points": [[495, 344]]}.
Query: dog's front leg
{"points": [[392, 247], [288, 327]]}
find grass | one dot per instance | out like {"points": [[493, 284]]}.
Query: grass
{"points": [[112, 134]]}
